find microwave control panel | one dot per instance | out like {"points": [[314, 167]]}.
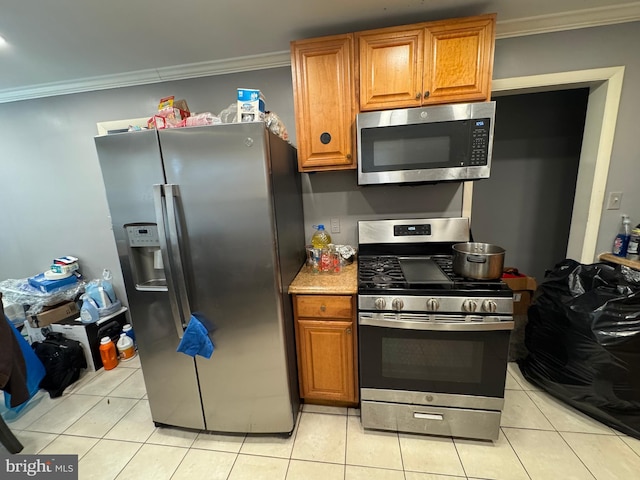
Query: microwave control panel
{"points": [[479, 141]]}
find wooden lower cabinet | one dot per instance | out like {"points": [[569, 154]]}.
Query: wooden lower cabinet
{"points": [[326, 343]]}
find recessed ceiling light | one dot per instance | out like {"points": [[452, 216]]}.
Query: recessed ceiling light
{"points": [[3, 42]]}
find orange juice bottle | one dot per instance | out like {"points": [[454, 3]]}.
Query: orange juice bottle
{"points": [[108, 353]]}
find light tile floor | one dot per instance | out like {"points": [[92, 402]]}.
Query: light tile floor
{"points": [[104, 418]]}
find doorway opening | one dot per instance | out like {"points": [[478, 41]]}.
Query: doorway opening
{"points": [[526, 204]]}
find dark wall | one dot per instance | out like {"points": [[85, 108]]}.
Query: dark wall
{"points": [[525, 207]]}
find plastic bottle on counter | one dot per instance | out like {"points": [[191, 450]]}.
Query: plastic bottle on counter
{"points": [[621, 242], [125, 347], [321, 238], [107, 284], [89, 311], [633, 247], [128, 329], [108, 353]]}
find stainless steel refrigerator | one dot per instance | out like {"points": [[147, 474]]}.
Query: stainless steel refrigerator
{"points": [[209, 220]]}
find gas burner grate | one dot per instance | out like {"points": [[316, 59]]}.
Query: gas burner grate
{"points": [[387, 268]]}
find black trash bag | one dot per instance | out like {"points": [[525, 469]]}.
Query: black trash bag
{"points": [[63, 359], [583, 337]]}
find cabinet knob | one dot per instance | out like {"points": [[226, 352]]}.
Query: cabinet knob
{"points": [[348, 156], [426, 94], [418, 95], [348, 331], [323, 308]]}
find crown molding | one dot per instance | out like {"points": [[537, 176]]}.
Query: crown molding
{"points": [[153, 75], [592, 17], [589, 17]]}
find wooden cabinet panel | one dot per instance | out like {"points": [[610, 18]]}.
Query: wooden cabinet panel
{"points": [[324, 101], [326, 344], [390, 68], [425, 63], [460, 61], [323, 306], [428, 63], [326, 352]]}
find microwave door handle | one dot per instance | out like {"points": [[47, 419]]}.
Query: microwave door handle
{"points": [[172, 194], [159, 201], [458, 326]]}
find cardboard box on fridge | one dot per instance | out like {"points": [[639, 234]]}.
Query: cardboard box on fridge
{"points": [[250, 105], [53, 314]]}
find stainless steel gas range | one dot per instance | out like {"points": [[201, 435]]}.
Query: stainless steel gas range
{"points": [[432, 346]]}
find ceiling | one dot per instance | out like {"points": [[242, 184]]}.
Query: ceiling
{"points": [[74, 45]]}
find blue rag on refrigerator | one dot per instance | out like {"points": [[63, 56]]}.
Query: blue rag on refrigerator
{"points": [[195, 340]]}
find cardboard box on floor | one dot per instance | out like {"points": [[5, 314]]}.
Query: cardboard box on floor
{"points": [[523, 289]]}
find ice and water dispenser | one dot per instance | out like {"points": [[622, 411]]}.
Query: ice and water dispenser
{"points": [[145, 256]]}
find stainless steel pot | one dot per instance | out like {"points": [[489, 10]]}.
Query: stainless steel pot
{"points": [[478, 261]]}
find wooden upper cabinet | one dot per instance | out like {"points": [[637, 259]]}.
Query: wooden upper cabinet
{"points": [[428, 63], [391, 65], [324, 101], [459, 60]]}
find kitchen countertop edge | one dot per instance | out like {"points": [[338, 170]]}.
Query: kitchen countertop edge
{"points": [[346, 282]]}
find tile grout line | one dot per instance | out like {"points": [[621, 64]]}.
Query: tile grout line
{"points": [[464, 470], [576, 454], [555, 429], [524, 467], [98, 403], [293, 442], [346, 445], [404, 472]]}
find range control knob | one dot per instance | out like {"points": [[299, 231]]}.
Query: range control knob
{"points": [[469, 305], [489, 306], [380, 303], [433, 305], [397, 304]]}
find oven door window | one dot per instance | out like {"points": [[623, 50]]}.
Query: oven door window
{"points": [[415, 146], [467, 363]]}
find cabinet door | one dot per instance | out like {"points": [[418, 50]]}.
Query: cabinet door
{"points": [[326, 355], [324, 100], [459, 60], [390, 68]]}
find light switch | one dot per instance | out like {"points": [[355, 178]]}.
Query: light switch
{"points": [[614, 200], [335, 225]]}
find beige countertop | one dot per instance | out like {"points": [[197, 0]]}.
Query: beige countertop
{"points": [[610, 257], [345, 282]]}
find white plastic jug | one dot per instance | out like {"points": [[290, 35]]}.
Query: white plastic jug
{"points": [[125, 347]]}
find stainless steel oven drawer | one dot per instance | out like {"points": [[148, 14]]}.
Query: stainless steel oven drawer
{"points": [[454, 422]]}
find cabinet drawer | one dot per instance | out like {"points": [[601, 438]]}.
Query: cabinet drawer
{"points": [[323, 306]]}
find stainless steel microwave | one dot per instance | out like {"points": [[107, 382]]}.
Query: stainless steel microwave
{"points": [[427, 144]]}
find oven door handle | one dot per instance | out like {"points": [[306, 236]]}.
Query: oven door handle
{"points": [[427, 324]]}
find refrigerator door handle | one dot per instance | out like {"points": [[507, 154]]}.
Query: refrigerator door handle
{"points": [[171, 194], [158, 200]]}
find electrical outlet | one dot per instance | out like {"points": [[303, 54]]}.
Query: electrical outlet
{"points": [[335, 225], [614, 200]]}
